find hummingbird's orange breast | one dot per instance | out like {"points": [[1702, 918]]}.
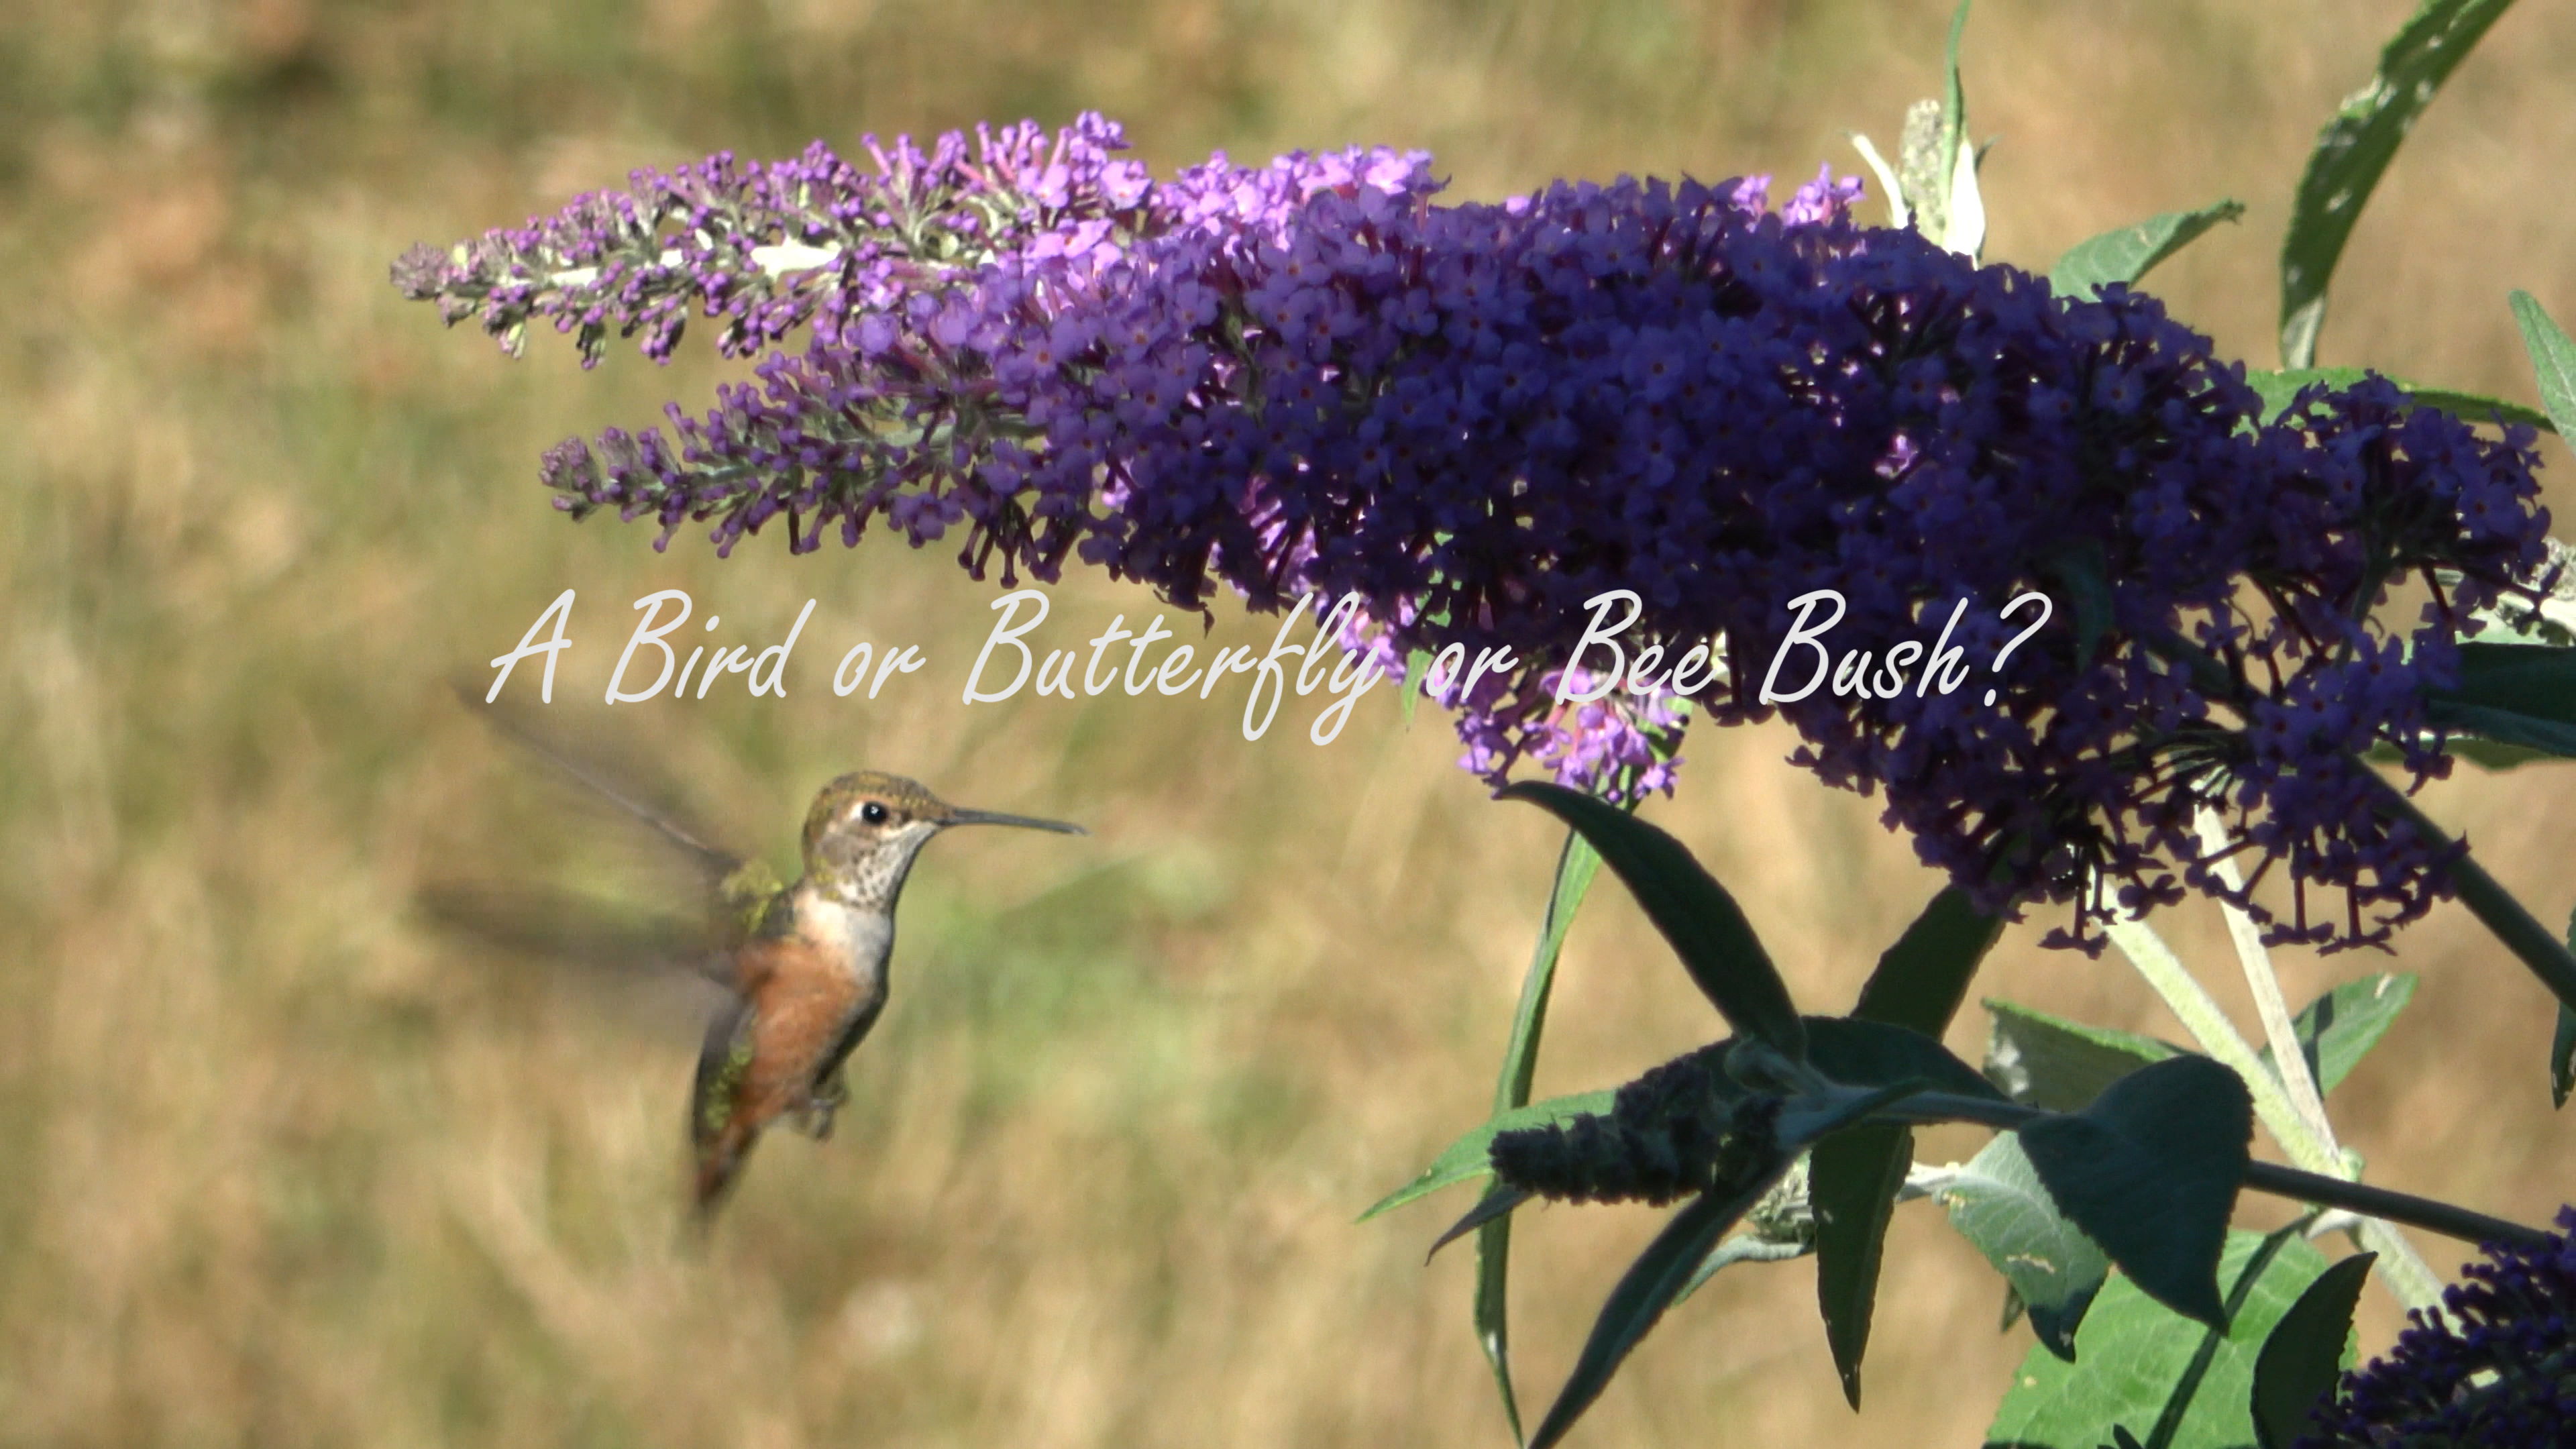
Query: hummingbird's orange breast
{"points": [[805, 1000]]}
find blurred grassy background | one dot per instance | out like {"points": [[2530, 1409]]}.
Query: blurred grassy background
{"points": [[283, 1168]]}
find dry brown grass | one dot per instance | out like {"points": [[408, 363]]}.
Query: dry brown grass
{"points": [[283, 1168]]}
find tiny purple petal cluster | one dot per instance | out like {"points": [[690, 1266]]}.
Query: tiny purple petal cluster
{"points": [[1309, 378], [2514, 1318]]}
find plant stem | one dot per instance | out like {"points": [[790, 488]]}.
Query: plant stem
{"points": [[2283, 1033], [2309, 1187], [2495, 906], [2401, 1269]]}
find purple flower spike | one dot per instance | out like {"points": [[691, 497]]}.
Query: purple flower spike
{"points": [[1310, 378], [2495, 1366]]}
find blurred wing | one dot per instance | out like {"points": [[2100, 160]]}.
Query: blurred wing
{"points": [[722, 1063], [739, 893], [569, 928]]}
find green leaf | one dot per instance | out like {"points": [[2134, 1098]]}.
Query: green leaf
{"points": [[2337, 1029], [1811, 1117], [1467, 1159], [2554, 739], [2562, 1055], [2131, 1356], [2478, 407], [1696, 915], [1963, 204], [1498, 1203], [2150, 1171], [2356, 147], [2306, 1352], [1954, 98], [1411, 693], [1490, 1313], [2078, 570], [2278, 389], [2485, 754], [2132, 251], [1852, 1182], [2553, 360], [1921, 980], [1649, 1286], [2517, 694], [2046, 1061], [2562, 1043], [1853, 1176], [1860, 1053], [1996, 1202]]}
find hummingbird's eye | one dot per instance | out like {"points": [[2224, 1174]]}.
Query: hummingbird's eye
{"points": [[873, 813]]}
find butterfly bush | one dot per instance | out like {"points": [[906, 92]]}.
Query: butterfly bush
{"points": [[2494, 1366], [1312, 378]]}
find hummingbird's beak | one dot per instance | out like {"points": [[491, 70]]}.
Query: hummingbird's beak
{"points": [[991, 817]]}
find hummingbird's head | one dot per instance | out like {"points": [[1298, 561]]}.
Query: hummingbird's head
{"points": [[866, 827]]}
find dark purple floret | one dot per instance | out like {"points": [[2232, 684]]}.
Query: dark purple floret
{"points": [[2494, 1367], [1310, 379]]}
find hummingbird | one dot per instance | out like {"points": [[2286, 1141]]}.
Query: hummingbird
{"points": [[809, 977], [803, 964]]}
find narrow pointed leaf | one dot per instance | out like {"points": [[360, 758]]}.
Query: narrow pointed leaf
{"points": [[2549, 738], [1410, 694], [1695, 914], [2306, 1352], [1921, 979], [2518, 694], [2545, 953], [1853, 1177], [1650, 1285], [2047, 1061], [1493, 1207], [1996, 1202], [1490, 1313], [1954, 97], [2132, 251], [1807, 1120], [1466, 1159], [2562, 1043], [2132, 1354], [1965, 208], [1576, 864], [2562, 1055], [2553, 360], [1491, 1316], [2078, 572], [2354, 150], [2150, 1171], [1874, 1054], [1852, 1182], [2477, 407], [2337, 1029], [2279, 388]]}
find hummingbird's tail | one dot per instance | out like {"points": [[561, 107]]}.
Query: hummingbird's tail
{"points": [[720, 1161]]}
